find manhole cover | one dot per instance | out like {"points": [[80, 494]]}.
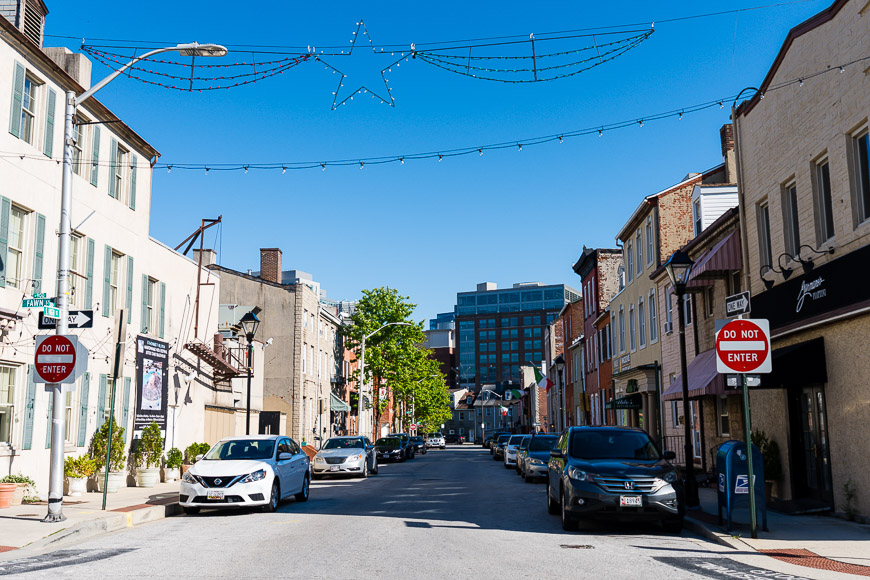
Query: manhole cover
{"points": [[576, 546]]}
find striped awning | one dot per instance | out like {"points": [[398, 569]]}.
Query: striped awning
{"points": [[718, 261]]}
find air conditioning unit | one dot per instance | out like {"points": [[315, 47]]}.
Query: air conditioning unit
{"points": [[669, 327]]}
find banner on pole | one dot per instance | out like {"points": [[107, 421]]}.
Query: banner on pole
{"points": [[152, 384]]}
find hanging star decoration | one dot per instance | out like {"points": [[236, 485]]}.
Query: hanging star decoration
{"points": [[370, 85]]}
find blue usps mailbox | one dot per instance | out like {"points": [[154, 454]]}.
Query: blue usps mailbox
{"points": [[733, 481]]}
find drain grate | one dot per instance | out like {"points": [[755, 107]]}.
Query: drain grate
{"points": [[576, 546]]}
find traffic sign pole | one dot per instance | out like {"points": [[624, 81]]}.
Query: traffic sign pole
{"points": [[753, 524]]}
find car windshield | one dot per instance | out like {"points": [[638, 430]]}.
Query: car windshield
{"points": [[344, 444], [503, 438], [434, 435], [542, 443], [613, 445], [524, 444], [417, 439], [242, 449], [388, 442], [515, 440]]}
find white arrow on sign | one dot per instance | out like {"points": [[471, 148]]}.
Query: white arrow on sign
{"points": [[79, 320]]}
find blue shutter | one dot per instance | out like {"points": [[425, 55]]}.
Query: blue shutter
{"points": [[17, 100], [83, 409], [161, 325], [113, 169], [107, 281], [5, 209], [29, 404], [144, 315], [48, 142], [101, 403], [38, 254], [133, 182], [95, 156], [129, 287], [48, 419], [89, 272], [125, 409]]}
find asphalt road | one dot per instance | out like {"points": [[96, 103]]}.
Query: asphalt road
{"points": [[451, 513]]}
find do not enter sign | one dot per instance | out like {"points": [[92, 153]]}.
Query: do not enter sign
{"points": [[55, 360], [743, 346]]}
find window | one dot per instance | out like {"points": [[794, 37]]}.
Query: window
{"points": [[696, 216], [150, 322], [687, 308], [708, 302], [79, 163], [68, 435], [621, 329], [649, 241], [28, 110], [638, 246], [629, 266], [669, 313], [77, 272], [765, 253], [790, 226], [15, 259], [107, 402], [734, 281], [861, 155], [824, 205], [641, 322], [722, 413], [632, 336], [676, 409], [114, 283], [653, 317], [7, 399]]}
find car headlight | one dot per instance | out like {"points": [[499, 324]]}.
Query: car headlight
{"points": [[189, 477], [579, 474], [355, 457], [255, 476], [670, 476], [536, 462], [318, 459]]}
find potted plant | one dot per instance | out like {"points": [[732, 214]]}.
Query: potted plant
{"points": [[22, 483], [173, 465], [191, 452], [77, 471], [99, 444], [770, 459], [148, 454]]}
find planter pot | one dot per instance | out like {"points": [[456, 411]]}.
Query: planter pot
{"points": [[77, 486], [18, 496], [185, 467], [7, 490], [171, 474], [116, 480], [147, 476]]}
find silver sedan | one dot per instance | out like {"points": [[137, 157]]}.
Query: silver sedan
{"points": [[345, 456]]}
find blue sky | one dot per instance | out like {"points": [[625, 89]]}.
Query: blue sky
{"points": [[428, 228]]}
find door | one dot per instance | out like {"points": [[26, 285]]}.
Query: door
{"points": [[284, 467], [810, 448], [298, 466], [269, 422]]}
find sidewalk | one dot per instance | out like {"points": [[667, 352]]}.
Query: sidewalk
{"points": [[22, 526], [822, 542]]}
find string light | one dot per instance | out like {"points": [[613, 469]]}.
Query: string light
{"points": [[560, 139], [402, 159], [168, 169], [641, 122], [440, 158], [246, 169], [519, 146], [800, 82], [283, 170]]}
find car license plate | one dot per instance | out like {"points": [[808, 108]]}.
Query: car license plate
{"points": [[630, 501], [215, 494], [333, 468]]}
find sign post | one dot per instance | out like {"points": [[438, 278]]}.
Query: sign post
{"points": [[743, 347]]}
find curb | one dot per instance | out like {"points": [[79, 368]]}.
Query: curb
{"points": [[720, 538], [111, 522]]}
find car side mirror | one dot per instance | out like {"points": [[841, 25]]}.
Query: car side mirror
{"points": [[556, 453], [285, 456], [369, 447], [198, 457], [669, 455]]}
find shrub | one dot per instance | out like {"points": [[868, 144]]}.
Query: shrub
{"points": [[149, 449], [82, 466], [29, 491], [194, 449], [100, 442], [174, 458]]}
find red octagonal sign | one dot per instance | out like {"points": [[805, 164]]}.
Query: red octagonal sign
{"points": [[743, 346], [55, 360]]}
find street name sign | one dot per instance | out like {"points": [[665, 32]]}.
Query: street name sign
{"points": [[51, 312], [55, 359], [737, 304], [75, 319], [743, 346], [37, 302]]}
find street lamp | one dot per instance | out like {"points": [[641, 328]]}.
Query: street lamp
{"points": [[679, 266], [249, 323], [58, 428], [362, 373]]}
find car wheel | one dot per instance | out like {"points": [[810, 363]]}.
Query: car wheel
{"points": [[191, 511], [552, 506], [274, 498], [673, 525], [569, 520], [507, 465], [375, 467], [365, 470], [528, 478], [306, 485]]}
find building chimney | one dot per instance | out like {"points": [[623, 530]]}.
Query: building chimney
{"points": [[209, 257], [270, 264], [726, 136], [76, 65]]}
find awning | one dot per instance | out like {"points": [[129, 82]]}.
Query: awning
{"points": [[627, 402], [704, 379], [798, 364], [337, 405], [718, 261]]}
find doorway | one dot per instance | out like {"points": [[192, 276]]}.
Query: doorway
{"points": [[810, 447]]}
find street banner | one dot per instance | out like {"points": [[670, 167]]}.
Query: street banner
{"points": [[152, 383]]}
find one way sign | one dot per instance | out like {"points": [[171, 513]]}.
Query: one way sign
{"points": [[75, 319], [737, 304]]}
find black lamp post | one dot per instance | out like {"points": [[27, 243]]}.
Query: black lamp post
{"points": [[560, 366], [679, 266], [249, 323]]}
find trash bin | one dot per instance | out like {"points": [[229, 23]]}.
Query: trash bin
{"points": [[733, 481]]}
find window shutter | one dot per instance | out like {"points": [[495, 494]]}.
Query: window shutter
{"points": [[145, 322], [29, 404], [89, 272], [129, 287], [113, 162], [125, 409], [107, 280], [83, 409], [38, 253], [161, 325], [95, 156], [17, 98], [101, 403], [133, 182], [48, 419], [5, 208], [48, 143]]}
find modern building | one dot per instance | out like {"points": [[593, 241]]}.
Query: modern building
{"points": [[500, 330]]}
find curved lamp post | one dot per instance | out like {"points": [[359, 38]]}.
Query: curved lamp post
{"points": [[250, 323]]}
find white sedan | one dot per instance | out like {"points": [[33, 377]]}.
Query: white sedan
{"points": [[258, 470]]}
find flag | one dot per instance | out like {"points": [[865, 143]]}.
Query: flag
{"points": [[516, 394], [504, 410], [542, 381]]}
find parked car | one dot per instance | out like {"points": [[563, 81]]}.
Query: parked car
{"points": [[532, 461], [523, 446], [510, 450], [436, 440], [613, 472], [410, 450], [453, 439], [498, 446], [419, 444], [487, 441], [390, 449], [258, 470], [345, 456]]}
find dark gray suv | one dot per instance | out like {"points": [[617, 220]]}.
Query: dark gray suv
{"points": [[614, 473]]}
